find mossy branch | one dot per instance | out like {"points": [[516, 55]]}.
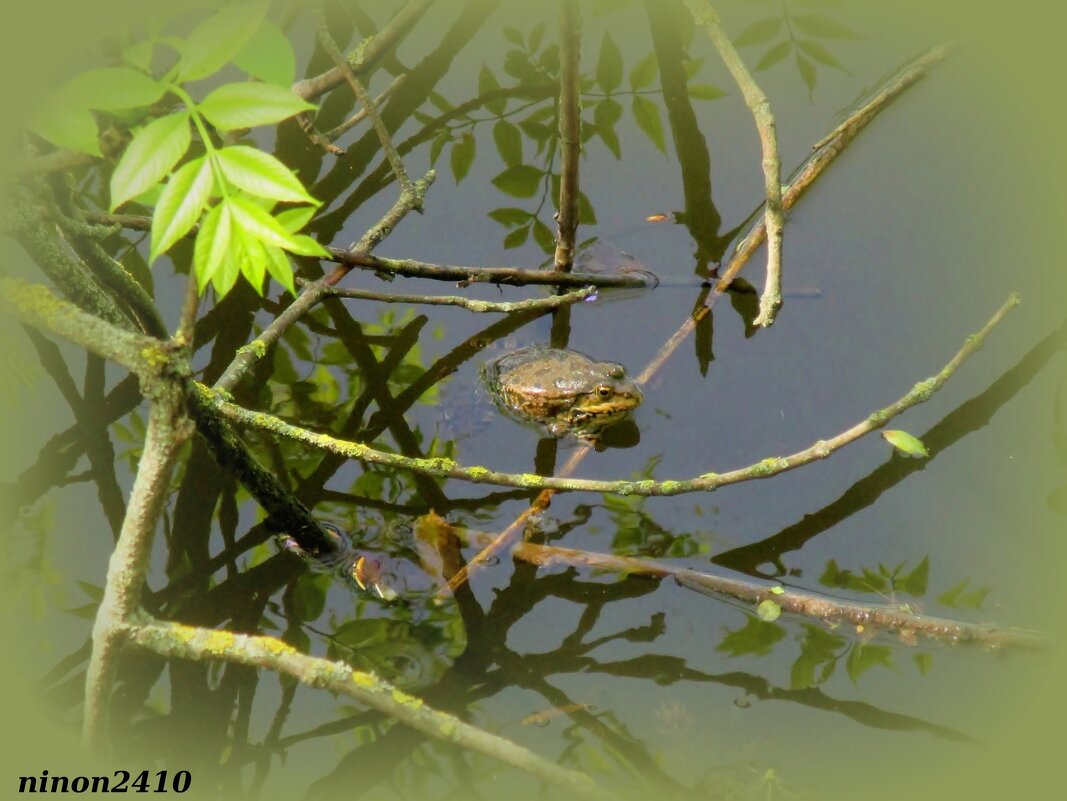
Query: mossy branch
{"points": [[174, 640], [765, 468]]}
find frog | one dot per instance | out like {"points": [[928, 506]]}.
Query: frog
{"points": [[564, 392]]}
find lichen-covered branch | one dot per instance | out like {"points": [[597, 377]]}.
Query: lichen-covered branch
{"points": [[35, 305], [765, 468], [756, 100], [570, 130], [167, 430], [50, 253], [174, 640]]}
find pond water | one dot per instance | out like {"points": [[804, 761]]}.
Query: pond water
{"points": [[904, 248]]}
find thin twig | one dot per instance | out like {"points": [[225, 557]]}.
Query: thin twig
{"points": [[335, 133], [706, 482], [513, 276], [330, 46], [174, 640], [482, 306], [367, 53], [756, 100], [570, 132]]}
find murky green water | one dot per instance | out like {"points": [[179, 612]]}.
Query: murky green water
{"points": [[903, 249]]}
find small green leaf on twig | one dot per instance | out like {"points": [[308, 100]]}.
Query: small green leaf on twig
{"points": [[906, 443], [768, 611], [246, 105], [150, 156], [777, 590]]}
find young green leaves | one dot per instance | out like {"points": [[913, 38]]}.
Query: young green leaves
{"points": [[231, 190]]}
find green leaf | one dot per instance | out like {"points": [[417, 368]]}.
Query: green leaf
{"points": [[152, 154], [508, 141], [516, 238], [218, 39], [646, 112], [586, 214], [536, 35], [705, 91], [768, 611], [609, 65], [292, 220], [64, 125], [113, 88], [807, 73], [246, 105], [756, 638], [644, 72], [303, 245], [549, 59], [605, 114], [139, 55], [923, 661], [212, 244], [918, 578], [268, 55], [865, 656], [252, 261], [824, 27], [514, 35], [773, 56], [437, 145], [462, 156], [543, 236], [487, 84], [279, 267], [510, 217], [818, 52], [760, 31], [183, 199], [521, 180], [257, 222], [906, 443], [261, 174]]}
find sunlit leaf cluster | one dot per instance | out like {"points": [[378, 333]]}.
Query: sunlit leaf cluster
{"points": [[184, 158]]}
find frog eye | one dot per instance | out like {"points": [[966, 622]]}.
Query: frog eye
{"points": [[604, 391]]}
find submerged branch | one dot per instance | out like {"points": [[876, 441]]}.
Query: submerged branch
{"points": [[765, 468], [186, 642], [756, 100], [897, 620]]}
